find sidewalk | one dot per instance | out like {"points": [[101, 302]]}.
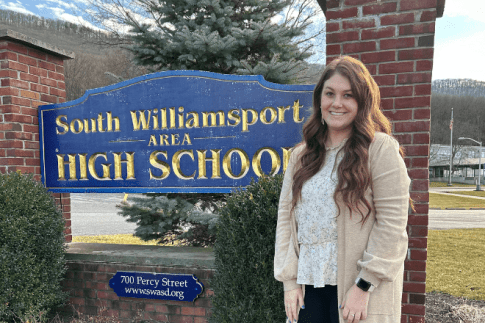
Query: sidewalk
{"points": [[460, 195]]}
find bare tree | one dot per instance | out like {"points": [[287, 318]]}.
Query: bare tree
{"points": [[88, 71]]}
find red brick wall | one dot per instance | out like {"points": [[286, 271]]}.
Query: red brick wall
{"points": [[394, 39], [29, 77], [90, 294]]}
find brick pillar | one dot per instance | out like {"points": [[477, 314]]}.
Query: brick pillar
{"points": [[31, 74], [395, 39]]}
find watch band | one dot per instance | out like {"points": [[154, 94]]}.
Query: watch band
{"points": [[364, 285]]}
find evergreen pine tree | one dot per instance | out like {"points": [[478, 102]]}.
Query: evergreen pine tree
{"points": [[222, 36], [165, 217]]}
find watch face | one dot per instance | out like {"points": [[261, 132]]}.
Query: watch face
{"points": [[365, 285]]}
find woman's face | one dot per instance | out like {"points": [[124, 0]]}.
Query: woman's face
{"points": [[338, 105]]}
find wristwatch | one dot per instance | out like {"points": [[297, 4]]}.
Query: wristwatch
{"points": [[364, 285]]}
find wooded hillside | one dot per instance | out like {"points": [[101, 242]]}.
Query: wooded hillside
{"points": [[59, 33], [462, 87]]}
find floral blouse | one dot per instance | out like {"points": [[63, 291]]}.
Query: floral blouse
{"points": [[317, 225]]}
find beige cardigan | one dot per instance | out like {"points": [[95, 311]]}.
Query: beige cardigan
{"points": [[376, 252]]}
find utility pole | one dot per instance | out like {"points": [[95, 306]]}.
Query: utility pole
{"points": [[451, 148]]}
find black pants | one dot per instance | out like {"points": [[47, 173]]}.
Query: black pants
{"points": [[321, 305]]}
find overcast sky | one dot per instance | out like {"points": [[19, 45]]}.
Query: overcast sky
{"points": [[459, 39]]}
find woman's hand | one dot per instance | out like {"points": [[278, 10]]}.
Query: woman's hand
{"points": [[355, 302], [293, 299]]}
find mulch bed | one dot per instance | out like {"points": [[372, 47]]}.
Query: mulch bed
{"points": [[439, 307]]}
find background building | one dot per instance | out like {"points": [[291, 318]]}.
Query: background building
{"points": [[465, 163]]}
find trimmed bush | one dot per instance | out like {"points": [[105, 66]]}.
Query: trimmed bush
{"points": [[245, 289], [32, 249]]}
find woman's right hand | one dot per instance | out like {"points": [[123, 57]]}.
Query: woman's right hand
{"points": [[293, 300]]}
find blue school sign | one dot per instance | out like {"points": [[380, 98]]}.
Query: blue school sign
{"points": [[177, 131]]}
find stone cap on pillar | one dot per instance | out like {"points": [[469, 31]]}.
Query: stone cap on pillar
{"points": [[7, 34], [440, 8]]}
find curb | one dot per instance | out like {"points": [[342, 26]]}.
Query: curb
{"points": [[477, 208], [455, 208], [435, 208]]}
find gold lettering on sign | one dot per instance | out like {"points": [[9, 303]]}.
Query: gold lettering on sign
{"points": [[164, 140], [82, 166], [193, 122], [163, 113], [177, 118], [152, 141], [86, 125], [273, 114], [176, 163], [226, 163], [275, 161], [186, 139], [130, 165], [181, 117], [172, 118], [212, 115], [175, 139], [233, 115], [216, 163], [155, 119], [72, 167], [110, 121], [158, 164], [296, 112], [281, 113], [79, 126], [62, 124], [245, 122], [76, 126], [141, 121], [92, 168], [100, 123]]}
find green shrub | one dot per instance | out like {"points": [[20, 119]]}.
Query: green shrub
{"points": [[245, 289], [32, 250]]}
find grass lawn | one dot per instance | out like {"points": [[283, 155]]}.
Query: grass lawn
{"points": [[119, 239], [449, 201], [443, 184], [455, 262]]}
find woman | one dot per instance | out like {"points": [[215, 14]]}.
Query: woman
{"points": [[348, 168]]}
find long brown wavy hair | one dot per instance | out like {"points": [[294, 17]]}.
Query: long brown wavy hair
{"points": [[353, 172]]}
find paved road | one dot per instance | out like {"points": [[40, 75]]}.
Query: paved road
{"points": [[96, 214], [455, 219]]}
